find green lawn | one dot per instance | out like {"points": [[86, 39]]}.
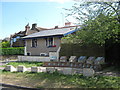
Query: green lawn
{"points": [[27, 64], [56, 80]]}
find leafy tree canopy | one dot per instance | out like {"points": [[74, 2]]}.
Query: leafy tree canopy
{"points": [[101, 24]]}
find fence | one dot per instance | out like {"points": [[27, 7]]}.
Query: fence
{"points": [[34, 58], [77, 50]]}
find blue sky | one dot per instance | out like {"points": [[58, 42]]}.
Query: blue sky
{"points": [[47, 14]]}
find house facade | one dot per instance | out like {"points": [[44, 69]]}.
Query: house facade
{"points": [[38, 46], [15, 39], [46, 42], [5, 39]]}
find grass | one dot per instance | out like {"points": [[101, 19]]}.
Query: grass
{"points": [[56, 80], [27, 64]]}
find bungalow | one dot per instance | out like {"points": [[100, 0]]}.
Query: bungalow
{"points": [[6, 39], [47, 42], [15, 39]]}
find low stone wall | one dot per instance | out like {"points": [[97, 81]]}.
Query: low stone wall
{"points": [[34, 58], [79, 65], [10, 57], [62, 70]]}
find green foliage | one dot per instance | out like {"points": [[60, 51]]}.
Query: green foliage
{"points": [[26, 64], [84, 11], [5, 44], [100, 22], [12, 51], [97, 31]]}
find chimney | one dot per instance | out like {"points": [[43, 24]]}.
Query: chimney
{"points": [[56, 27], [27, 27], [34, 26], [67, 24]]}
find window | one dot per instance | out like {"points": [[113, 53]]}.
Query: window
{"points": [[14, 39], [50, 42], [18, 37], [34, 42]]}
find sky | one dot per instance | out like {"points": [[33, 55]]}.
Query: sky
{"points": [[46, 13]]}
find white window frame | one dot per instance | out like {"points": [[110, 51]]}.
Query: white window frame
{"points": [[48, 43], [34, 43]]}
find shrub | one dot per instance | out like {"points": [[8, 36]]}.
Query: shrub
{"points": [[12, 51], [5, 44]]}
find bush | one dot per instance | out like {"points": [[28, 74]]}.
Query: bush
{"points": [[5, 44], [12, 51]]}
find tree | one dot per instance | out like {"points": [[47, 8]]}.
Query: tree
{"points": [[85, 11], [97, 31], [5, 44], [101, 26]]}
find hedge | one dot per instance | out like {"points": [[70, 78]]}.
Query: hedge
{"points": [[12, 51]]}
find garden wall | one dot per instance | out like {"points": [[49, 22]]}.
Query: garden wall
{"points": [[34, 58], [10, 57], [77, 50]]}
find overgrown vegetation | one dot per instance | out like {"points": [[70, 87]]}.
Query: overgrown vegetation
{"points": [[12, 51], [56, 80], [97, 31], [26, 64], [100, 25]]}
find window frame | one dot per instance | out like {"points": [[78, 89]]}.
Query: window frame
{"points": [[33, 43], [50, 43]]}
